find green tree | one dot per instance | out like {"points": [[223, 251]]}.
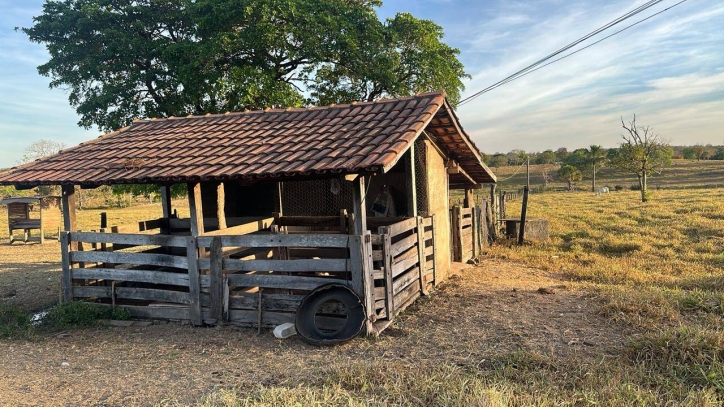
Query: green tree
{"points": [[569, 174], [596, 157], [121, 60], [688, 153], [546, 157], [642, 152]]}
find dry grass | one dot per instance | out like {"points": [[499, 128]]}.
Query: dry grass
{"points": [[636, 319]]}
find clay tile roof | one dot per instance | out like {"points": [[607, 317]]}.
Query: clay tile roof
{"points": [[363, 137]]}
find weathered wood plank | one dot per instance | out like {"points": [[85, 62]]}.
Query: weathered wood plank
{"points": [[293, 266], [434, 251], [194, 283], [217, 280], [407, 296], [133, 293], [404, 280], [137, 276], [272, 319], [402, 227], [243, 229], [151, 259], [305, 240], [404, 265], [197, 215], [404, 244], [421, 252], [67, 279], [129, 239], [387, 270], [283, 282], [161, 312]]}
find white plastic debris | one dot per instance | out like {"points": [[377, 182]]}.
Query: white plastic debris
{"points": [[285, 330], [65, 364]]}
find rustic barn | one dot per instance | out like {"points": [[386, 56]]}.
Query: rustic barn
{"points": [[283, 202], [41, 213]]}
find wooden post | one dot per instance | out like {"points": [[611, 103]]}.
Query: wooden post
{"points": [[217, 281], [360, 262], [197, 215], [360, 206], [469, 200], [69, 223], [421, 253], [280, 195], [524, 209], [434, 253], [411, 187], [384, 232], [457, 247], [67, 279], [42, 231], [194, 282], [166, 200], [220, 205]]}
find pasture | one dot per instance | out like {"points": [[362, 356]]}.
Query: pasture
{"points": [[634, 318]]}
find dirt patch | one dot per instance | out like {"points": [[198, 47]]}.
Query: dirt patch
{"points": [[486, 312], [29, 274]]}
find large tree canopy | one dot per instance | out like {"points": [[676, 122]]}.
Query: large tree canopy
{"points": [[122, 59]]}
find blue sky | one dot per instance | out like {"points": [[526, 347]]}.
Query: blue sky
{"points": [[669, 71]]}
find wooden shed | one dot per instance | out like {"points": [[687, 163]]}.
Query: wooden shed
{"points": [[40, 213], [282, 201]]}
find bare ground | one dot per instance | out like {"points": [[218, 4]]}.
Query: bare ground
{"points": [[483, 313]]}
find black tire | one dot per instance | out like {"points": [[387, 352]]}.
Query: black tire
{"points": [[305, 320]]}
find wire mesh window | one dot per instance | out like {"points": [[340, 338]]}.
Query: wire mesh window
{"points": [[324, 197], [421, 177]]}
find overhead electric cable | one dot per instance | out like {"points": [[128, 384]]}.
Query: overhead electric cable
{"points": [[535, 66]]}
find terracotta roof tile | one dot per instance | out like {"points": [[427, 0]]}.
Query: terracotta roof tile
{"points": [[346, 138]]}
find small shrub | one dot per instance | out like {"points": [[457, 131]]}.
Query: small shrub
{"points": [[635, 187], [14, 323], [618, 187], [78, 313]]}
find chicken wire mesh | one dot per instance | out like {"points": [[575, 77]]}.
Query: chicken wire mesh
{"points": [[323, 197], [421, 184]]}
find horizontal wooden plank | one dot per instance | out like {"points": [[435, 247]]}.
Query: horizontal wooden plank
{"points": [[428, 235], [180, 312], [407, 297], [137, 276], [400, 257], [403, 244], [321, 221], [429, 250], [133, 293], [377, 255], [378, 274], [161, 260], [427, 222], [403, 266], [322, 253], [243, 229], [403, 226], [404, 280], [285, 282], [129, 239], [277, 303], [269, 240], [300, 265]]}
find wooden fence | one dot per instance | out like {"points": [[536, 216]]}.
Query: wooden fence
{"points": [[253, 279]]}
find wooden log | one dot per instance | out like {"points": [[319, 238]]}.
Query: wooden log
{"points": [[305, 240], [217, 281], [194, 284], [137, 276], [133, 293], [161, 260], [282, 282], [220, 206], [197, 215], [129, 239]]}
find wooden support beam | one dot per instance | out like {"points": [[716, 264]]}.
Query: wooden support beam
{"points": [[456, 169], [360, 206], [69, 222], [411, 187], [221, 205], [197, 215], [280, 197], [469, 200], [350, 177], [166, 200]]}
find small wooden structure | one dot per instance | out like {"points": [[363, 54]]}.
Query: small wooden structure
{"points": [[22, 215], [279, 206]]}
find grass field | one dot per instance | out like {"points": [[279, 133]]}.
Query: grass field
{"points": [[635, 319]]}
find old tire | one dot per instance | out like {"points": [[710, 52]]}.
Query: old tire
{"points": [[306, 315]]}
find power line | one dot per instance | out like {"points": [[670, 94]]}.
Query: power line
{"points": [[535, 66]]}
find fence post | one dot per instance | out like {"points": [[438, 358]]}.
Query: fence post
{"points": [[217, 281], [384, 232], [67, 282], [455, 217], [421, 254], [360, 256], [434, 252], [524, 209], [192, 257]]}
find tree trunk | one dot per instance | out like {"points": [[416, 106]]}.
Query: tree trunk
{"points": [[570, 185], [644, 187], [593, 185]]}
